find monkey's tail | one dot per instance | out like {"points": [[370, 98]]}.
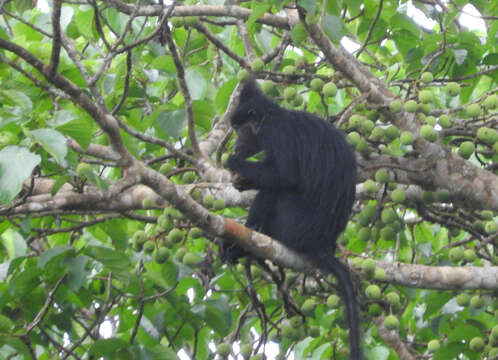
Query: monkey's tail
{"points": [[332, 265]]}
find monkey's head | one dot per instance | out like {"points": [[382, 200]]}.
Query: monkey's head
{"points": [[248, 118]]}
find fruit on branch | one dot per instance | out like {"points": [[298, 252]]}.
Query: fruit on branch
{"points": [[373, 292], [257, 65], [426, 96], [445, 121], [329, 89], [452, 89], [411, 106], [316, 84], [427, 77], [433, 345], [473, 110], [395, 106], [487, 135], [391, 322], [428, 133], [242, 75], [382, 176], [466, 149]]}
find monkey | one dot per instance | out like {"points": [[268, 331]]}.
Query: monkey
{"points": [[306, 186]]}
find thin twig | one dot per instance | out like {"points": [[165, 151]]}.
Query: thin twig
{"points": [[46, 305], [185, 91], [56, 41]]}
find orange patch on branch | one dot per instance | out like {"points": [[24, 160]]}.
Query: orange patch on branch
{"points": [[238, 231]]}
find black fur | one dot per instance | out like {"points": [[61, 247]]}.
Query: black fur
{"points": [[306, 184]]}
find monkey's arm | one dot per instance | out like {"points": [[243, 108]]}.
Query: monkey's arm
{"points": [[262, 174]]}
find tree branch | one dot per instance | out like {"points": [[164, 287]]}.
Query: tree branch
{"points": [[463, 179], [202, 10]]}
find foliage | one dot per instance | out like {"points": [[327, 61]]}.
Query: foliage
{"points": [[96, 259]]}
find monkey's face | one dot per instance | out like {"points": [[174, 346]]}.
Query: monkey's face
{"points": [[247, 143], [246, 123]]}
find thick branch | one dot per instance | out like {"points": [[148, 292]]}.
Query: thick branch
{"points": [[391, 337], [476, 186], [441, 277], [201, 10], [417, 276]]}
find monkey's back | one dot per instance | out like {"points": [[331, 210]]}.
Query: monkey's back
{"points": [[312, 216]]}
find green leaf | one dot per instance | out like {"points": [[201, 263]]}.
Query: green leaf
{"points": [[62, 117], [423, 233], [59, 182], [435, 301], [203, 113], [405, 41], [3, 33], [257, 12], [18, 98], [18, 345], [490, 59], [107, 347], [216, 313], [116, 229], [402, 21], [66, 16], [23, 5], [109, 83], [116, 19], [77, 272], [309, 5], [324, 351], [332, 25], [299, 33], [378, 353], [63, 320], [463, 332], [84, 21], [16, 165], [14, 243], [26, 225], [164, 63], [52, 253], [25, 282], [113, 261], [223, 95], [450, 351], [52, 141], [150, 328], [160, 352], [378, 31], [97, 180], [302, 348], [172, 122], [196, 83]]}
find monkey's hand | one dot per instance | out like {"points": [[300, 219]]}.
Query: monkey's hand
{"points": [[241, 183], [234, 161]]}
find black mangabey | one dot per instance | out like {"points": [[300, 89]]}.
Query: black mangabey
{"points": [[306, 184]]}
